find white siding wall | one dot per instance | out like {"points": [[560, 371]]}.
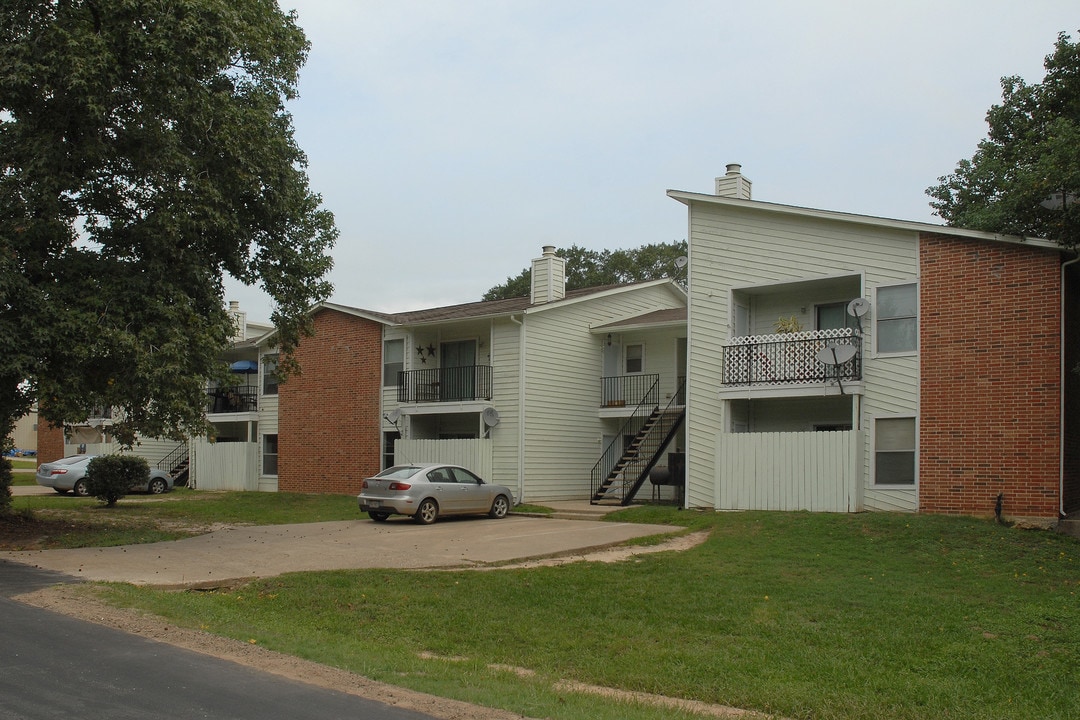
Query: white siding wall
{"points": [[660, 356], [564, 364], [473, 455], [736, 248], [506, 394]]}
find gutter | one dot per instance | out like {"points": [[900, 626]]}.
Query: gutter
{"points": [[1061, 412]]}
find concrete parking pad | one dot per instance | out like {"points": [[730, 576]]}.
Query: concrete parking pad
{"points": [[240, 553]]}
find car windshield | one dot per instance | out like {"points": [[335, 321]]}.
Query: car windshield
{"points": [[398, 471]]}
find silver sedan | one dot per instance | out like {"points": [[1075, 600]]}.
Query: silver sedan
{"points": [[424, 491], [70, 474]]}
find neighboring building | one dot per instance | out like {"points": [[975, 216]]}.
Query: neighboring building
{"points": [[24, 437], [527, 392], [226, 462], [945, 386]]}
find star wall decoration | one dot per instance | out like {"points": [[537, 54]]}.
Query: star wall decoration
{"points": [[431, 351]]}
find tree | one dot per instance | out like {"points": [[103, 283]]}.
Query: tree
{"points": [[145, 151], [1024, 178], [592, 268]]}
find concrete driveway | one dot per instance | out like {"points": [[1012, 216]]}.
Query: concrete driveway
{"points": [[267, 550]]}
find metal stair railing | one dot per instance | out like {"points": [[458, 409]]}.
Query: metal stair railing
{"points": [[176, 463], [629, 466]]}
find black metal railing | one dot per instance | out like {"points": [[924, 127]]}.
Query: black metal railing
{"points": [[452, 384], [175, 461], [793, 359], [232, 399], [623, 467], [629, 390]]}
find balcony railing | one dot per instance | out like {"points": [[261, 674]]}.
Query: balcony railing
{"points": [[786, 359], [632, 390], [453, 384], [233, 399]]}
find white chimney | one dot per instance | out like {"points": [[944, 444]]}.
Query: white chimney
{"points": [[733, 184], [239, 318], [548, 277]]}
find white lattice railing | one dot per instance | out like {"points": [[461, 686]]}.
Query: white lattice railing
{"points": [[790, 358]]}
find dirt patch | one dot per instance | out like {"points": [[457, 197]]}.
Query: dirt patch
{"points": [[82, 602]]}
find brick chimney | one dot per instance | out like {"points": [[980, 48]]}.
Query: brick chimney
{"points": [[733, 184], [548, 277]]}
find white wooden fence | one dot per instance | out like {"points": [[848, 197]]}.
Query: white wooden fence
{"points": [[817, 471], [473, 454], [224, 466]]}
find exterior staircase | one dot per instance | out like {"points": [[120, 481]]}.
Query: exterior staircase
{"points": [[627, 471], [177, 463]]}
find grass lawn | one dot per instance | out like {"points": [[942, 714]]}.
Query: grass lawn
{"points": [[66, 521], [803, 615], [25, 468]]}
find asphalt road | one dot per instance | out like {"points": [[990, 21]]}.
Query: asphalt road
{"points": [[53, 667]]}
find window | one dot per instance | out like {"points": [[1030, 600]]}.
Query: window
{"points": [[897, 319], [389, 438], [833, 316], [635, 358], [269, 464], [393, 361], [269, 371], [894, 451]]}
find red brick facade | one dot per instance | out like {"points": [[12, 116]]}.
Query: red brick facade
{"points": [[990, 388], [50, 442], [328, 417]]}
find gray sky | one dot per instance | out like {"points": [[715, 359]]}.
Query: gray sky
{"points": [[453, 139]]}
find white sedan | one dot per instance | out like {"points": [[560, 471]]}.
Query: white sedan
{"points": [[69, 474]]}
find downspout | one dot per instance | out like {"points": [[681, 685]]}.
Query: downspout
{"points": [[1061, 411], [521, 409]]}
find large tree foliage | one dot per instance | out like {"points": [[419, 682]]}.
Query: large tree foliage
{"points": [[1024, 178], [145, 152], [592, 268]]}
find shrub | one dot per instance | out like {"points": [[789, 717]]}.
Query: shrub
{"points": [[110, 477]]}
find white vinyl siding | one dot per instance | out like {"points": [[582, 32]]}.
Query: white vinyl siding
{"points": [[562, 391], [733, 248]]}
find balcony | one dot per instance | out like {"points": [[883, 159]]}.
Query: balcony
{"points": [[232, 399], [629, 390], [791, 359], [451, 384]]}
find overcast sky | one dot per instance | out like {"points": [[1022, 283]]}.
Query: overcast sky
{"points": [[453, 139]]}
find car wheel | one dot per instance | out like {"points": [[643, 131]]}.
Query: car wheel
{"points": [[80, 489], [500, 507], [378, 516], [157, 486], [427, 513]]}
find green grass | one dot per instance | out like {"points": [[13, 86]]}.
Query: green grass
{"points": [[69, 521], [801, 615], [23, 464]]}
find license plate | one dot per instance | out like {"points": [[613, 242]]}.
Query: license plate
{"points": [[373, 503]]}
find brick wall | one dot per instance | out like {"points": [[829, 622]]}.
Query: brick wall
{"points": [[328, 417], [989, 395], [50, 441]]}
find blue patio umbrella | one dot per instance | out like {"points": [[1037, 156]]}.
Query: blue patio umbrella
{"points": [[244, 366]]}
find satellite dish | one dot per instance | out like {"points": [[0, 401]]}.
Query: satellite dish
{"points": [[681, 261], [835, 354], [393, 416], [490, 416], [858, 307]]}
